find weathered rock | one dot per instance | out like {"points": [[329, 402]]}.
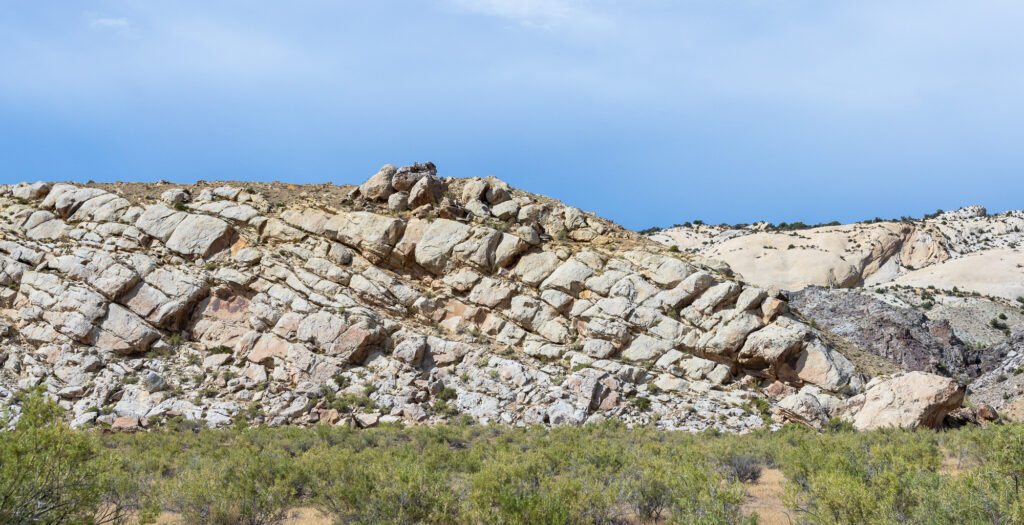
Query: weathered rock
{"points": [[428, 190], [535, 267], [411, 350], [159, 221], [903, 335], [598, 348], [277, 230], [176, 196], [30, 192], [772, 344], [569, 277], [48, 231], [478, 249], [407, 176], [398, 202], [123, 332], [805, 409], [373, 235], [646, 349], [439, 239], [506, 210], [474, 190], [164, 297], [316, 292], [126, 424], [819, 365], [684, 293], [730, 336], [908, 400], [199, 236], [498, 191], [378, 187], [154, 382], [491, 293]]}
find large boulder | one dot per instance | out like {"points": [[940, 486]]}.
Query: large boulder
{"points": [[199, 236], [819, 365], [373, 235], [378, 187], [164, 296], [439, 239], [804, 408], [536, 267], [427, 190], [569, 277], [772, 344], [159, 221], [30, 192], [407, 176], [122, 332], [908, 400]]}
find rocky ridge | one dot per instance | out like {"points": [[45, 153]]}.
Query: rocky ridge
{"points": [[408, 298], [966, 248]]}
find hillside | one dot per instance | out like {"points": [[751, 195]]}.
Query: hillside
{"points": [[409, 298], [943, 294], [967, 248]]}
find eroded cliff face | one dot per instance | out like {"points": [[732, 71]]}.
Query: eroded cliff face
{"points": [[966, 248], [409, 298]]}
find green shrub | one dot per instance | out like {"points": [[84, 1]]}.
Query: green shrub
{"points": [[48, 473], [467, 473], [378, 485], [447, 394], [244, 484]]}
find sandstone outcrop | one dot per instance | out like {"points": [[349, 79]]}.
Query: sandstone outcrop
{"points": [[966, 248], [908, 400], [292, 305]]}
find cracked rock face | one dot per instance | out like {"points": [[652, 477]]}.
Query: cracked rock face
{"points": [[908, 400], [296, 305]]}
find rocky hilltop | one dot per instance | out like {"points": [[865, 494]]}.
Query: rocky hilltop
{"points": [[408, 298]]}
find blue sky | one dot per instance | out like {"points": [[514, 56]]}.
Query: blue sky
{"points": [[647, 111]]}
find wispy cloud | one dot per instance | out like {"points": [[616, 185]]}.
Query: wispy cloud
{"points": [[119, 25], [541, 14]]}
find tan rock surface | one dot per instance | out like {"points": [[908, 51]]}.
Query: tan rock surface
{"points": [[908, 400]]}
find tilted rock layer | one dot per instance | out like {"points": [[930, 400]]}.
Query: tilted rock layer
{"points": [[410, 297]]}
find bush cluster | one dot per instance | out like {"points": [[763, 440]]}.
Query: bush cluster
{"points": [[466, 473]]}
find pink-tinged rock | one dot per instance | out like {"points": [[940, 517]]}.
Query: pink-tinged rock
{"points": [[354, 345], [427, 190], [267, 348], [126, 424]]}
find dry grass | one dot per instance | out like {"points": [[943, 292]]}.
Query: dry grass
{"points": [[297, 516], [764, 498], [1014, 411]]}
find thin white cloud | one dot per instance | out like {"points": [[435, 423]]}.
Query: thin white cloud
{"points": [[542, 14], [119, 25]]}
